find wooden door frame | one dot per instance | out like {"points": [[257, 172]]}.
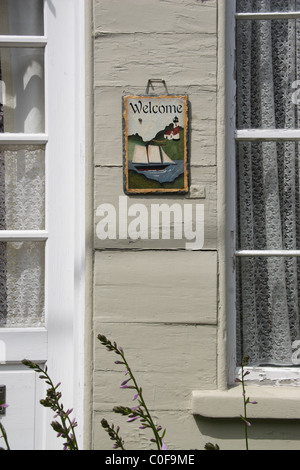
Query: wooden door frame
{"points": [[65, 301]]}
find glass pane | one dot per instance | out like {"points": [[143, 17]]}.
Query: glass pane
{"points": [[22, 187], [22, 89], [268, 74], [268, 299], [263, 6], [22, 268], [268, 204], [21, 17]]}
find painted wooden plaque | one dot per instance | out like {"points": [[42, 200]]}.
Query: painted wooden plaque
{"points": [[155, 144]]}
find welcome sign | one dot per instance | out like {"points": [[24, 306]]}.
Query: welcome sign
{"points": [[155, 144]]}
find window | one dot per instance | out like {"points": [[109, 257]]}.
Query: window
{"points": [[41, 207], [267, 175], [22, 164]]}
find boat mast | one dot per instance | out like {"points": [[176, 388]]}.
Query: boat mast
{"points": [[147, 153], [161, 155]]}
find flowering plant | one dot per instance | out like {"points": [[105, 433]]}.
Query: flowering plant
{"points": [[2, 429], [64, 426], [137, 413], [246, 400]]}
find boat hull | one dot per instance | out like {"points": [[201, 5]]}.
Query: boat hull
{"points": [[151, 166]]}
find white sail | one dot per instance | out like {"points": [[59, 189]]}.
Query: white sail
{"points": [[154, 154], [140, 154], [166, 159]]}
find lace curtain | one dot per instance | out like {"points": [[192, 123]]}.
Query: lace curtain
{"points": [[268, 173], [22, 168]]}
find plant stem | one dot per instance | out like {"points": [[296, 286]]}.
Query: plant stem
{"points": [[63, 416], [143, 404], [145, 416], [245, 410], [114, 434], [4, 435], [52, 401]]}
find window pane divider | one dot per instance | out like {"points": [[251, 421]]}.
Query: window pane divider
{"points": [[23, 235], [267, 134], [12, 138], [266, 253], [268, 15], [23, 41]]}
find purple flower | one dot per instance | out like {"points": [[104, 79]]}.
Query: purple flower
{"points": [[245, 421], [164, 447], [135, 397], [125, 381], [134, 418]]}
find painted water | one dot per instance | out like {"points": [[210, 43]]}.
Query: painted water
{"points": [[166, 175]]}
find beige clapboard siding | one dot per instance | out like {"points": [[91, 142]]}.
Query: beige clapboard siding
{"points": [[109, 187], [156, 16], [166, 360], [155, 286], [156, 300], [134, 58], [109, 130]]}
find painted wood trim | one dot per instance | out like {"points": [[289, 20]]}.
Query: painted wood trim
{"points": [[20, 235], [23, 41], [23, 139], [266, 253], [23, 343], [230, 191], [268, 15], [272, 402], [65, 200], [267, 134]]}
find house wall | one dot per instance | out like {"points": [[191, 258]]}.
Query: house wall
{"points": [[164, 304], [158, 301]]}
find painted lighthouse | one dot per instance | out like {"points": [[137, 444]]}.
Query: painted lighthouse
{"points": [[173, 134]]}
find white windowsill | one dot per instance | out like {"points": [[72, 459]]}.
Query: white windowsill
{"points": [[273, 402]]}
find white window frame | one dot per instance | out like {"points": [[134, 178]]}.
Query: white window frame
{"points": [[272, 375], [61, 342]]}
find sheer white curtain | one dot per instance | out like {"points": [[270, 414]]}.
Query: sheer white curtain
{"points": [[22, 168], [268, 62], [22, 69]]}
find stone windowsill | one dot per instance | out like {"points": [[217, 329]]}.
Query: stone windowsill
{"points": [[273, 402]]}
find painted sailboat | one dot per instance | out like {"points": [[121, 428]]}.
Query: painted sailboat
{"points": [[150, 158]]}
